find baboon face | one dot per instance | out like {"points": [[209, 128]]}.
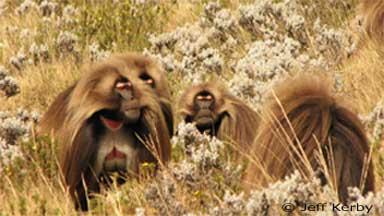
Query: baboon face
{"points": [[204, 105], [128, 94], [215, 111], [130, 109], [205, 117]]}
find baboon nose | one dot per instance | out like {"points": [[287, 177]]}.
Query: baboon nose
{"points": [[127, 94]]}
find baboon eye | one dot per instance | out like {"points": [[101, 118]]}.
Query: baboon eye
{"points": [[122, 84], [147, 79], [206, 96]]}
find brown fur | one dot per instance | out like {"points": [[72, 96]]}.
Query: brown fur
{"points": [[57, 111], [316, 118], [238, 120], [70, 115], [373, 13]]}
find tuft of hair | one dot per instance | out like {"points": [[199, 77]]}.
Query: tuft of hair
{"points": [[56, 113], [305, 127], [373, 14], [239, 121]]}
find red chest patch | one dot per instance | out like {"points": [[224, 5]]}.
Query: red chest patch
{"points": [[115, 154]]}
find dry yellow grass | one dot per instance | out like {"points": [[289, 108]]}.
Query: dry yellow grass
{"points": [[363, 75]]}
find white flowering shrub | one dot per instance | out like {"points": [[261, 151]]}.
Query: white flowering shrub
{"points": [[39, 53], [14, 129], [376, 200], [375, 122], [19, 61], [8, 155], [275, 46], [25, 7], [8, 85], [201, 171], [66, 42], [98, 54], [48, 8]]}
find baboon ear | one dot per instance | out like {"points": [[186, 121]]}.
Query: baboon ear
{"points": [[166, 108]]}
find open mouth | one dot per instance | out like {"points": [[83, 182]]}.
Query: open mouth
{"points": [[112, 124]]}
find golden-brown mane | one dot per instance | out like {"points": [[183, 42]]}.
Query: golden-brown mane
{"points": [[300, 116], [373, 15]]}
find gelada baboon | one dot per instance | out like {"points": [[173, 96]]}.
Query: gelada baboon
{"points": [[215, 111], [305, 127], [115, 117]]}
